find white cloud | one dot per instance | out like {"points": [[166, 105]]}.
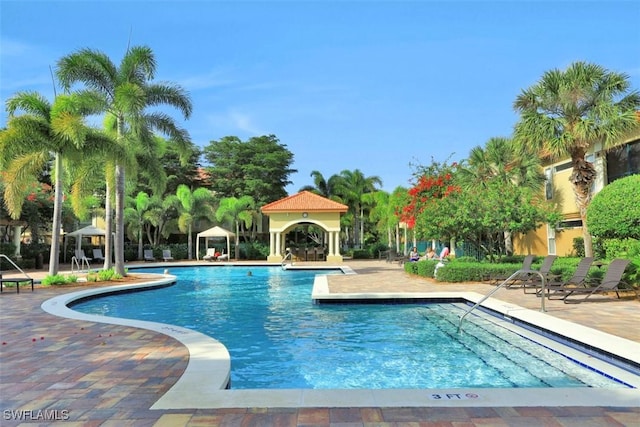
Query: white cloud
{"points": [[234, 122], [212, 79]]}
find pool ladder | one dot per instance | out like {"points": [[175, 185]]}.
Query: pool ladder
{"points": [[508, 280], [79, 264]]}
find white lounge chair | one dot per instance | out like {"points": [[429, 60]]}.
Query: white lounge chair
{"points": [[211, 255]]}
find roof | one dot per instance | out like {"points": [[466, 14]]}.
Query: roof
{"points": [[216, 232], [304, 201], [89, 230]]}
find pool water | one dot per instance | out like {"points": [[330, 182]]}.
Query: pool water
{"points": [[279, 339]]}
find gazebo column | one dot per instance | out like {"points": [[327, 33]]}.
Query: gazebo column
{"points": [[330, 239], [334, 247], [274, 247]]}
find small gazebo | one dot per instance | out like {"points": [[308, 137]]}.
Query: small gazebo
{"points": [[213, 232], [304, 207]]}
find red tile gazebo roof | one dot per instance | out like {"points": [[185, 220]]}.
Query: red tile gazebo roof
{"points": [[304, 201]]}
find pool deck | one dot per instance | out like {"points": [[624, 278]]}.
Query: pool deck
{"points": [[97, 374]]}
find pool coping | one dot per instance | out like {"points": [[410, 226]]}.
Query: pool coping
{"points": [[208, 358]]}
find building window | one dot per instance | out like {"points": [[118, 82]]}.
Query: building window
{"points": [[551, 239], [577, 223], [623, 161]]}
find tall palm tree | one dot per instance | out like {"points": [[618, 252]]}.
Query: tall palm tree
{"points": [[194, 205], [46, 130], [236, 211], [135, 217], [351, 186], [498, 162], [382, 212], [128, 90], [321, 186], [567, 112]]}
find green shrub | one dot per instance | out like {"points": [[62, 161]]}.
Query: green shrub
{"points": [[361, 254], [426, 268], [55, 279], [621, 248], [614, 211]]}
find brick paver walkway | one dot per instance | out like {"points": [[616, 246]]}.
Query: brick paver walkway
{"points": [[89, 374]]}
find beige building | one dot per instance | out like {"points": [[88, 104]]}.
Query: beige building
{"points": [[612, 164]]}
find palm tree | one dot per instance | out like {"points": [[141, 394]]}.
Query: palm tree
{"points": [[236, 211], [194, 204], [382, 212], [42, 131], [321, 186], [135, 216], [498, 162], [351, 186], [567, 112], [128, 91]]}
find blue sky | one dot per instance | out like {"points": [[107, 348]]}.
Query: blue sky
{"points": [[369, 85]]}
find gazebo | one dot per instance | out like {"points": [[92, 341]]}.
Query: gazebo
{"points": [[213, 232], [88, 231], [304, 207]]}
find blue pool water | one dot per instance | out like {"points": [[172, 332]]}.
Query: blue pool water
{"points": [[279, 339]]}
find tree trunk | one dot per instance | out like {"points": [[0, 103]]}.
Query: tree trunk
{"points": [[508, 243], [582, 178], [189, 244], [108, 236], [119, 221], [54, 256], [140, 242]]}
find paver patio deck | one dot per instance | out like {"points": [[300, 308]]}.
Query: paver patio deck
{"points": [[92, 374]]}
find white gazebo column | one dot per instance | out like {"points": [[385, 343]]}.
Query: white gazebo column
{"points": [[334, 247], [274, 247], [330, 239]]}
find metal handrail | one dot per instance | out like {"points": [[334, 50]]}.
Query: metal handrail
{"points": [[284, 260], [84, 261], [513, 276], [14, 264]]}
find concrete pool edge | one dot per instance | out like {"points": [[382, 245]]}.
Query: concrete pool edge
{"points": [[209, 359]]}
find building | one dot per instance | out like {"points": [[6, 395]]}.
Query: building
{"points": [[614, 163]]}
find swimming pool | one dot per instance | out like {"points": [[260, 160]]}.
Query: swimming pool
{"points": [[278, 339]]}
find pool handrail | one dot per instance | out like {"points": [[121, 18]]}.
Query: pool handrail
{"points": [[289, 254], [508, 280], [16, 280]]}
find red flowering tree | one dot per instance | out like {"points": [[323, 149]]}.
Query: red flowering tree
{"points": [[431, 202]]}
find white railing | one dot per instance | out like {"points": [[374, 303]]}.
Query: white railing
{"points": [[83, 261]]}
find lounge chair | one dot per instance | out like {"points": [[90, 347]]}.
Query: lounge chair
{"points": [[211, 255], [578, 279], [166, 255], [534, 280], [97, 255], [394, 256], [223, 257], [609, 283], [499, 278], [148, 255], [80, 256]]}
